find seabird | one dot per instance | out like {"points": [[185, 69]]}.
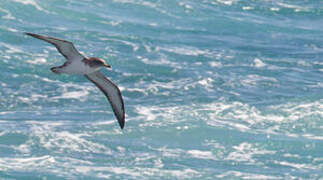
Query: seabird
{"points": [[78, 64]]}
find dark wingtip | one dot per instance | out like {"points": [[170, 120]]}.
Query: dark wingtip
{"points": [[121, 123], [29, 34], [33, 35]]}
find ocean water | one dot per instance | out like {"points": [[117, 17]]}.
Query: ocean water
{"points": [[213, 89]]}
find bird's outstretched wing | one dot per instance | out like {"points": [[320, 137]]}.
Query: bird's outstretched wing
{"points": [[66, 48], [112, 92]]}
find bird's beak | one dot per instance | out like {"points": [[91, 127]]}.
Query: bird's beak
{"points": [[107, 66]]}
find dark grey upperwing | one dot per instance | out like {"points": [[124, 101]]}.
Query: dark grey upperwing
{"points": [[66, 48], [112, 92]]}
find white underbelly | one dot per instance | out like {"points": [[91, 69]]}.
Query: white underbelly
{"points": [[78, 68]]}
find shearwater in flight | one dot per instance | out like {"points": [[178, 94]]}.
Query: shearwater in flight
{"points": [[76, 63]]}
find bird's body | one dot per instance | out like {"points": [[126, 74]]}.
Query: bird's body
{"points": [[76, 67], [77, 64]]}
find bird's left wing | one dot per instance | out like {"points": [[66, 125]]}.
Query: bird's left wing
{"points": [[112, 92], [66, 48]]}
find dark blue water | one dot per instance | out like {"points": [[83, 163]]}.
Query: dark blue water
{"points": [[225, 89]]}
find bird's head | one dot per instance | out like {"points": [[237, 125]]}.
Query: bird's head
{"points": [[97, 63]]}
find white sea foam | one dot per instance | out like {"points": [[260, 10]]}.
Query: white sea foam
{"points": [[73, 95], [292, 155], [236, 115], [137, 172], [8, 16], [246, 116], [245, 152], [207, 83], [161, 61], [189, 51], [240, 116], [9, 29], [300, 111], [39, 60], [297, 165], [312, 136], [32, 3], [156, 87], [201, 154], [247, 8], [226, 2], [7, 112], [71, 90], [25, 163], [254, 80], [215, 64], [140, 2], [258, 63], [64, 141], [51, 137], [62, 166], [187, 7], [153, 24], [170, 153], [243, 175], [3, 133], [45, 135], [291, 6], [143, 91], [147, 112], [12, 49], [112, 23], [134, 46], [274, 9]]}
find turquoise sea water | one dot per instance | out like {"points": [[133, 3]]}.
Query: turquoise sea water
{"points": [[213, 89]]}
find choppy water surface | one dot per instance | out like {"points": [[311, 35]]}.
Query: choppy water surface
{"points": [[226, 89]]}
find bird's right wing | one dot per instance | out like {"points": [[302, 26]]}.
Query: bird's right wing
{"points": [[66, 48], [112, 92]]}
